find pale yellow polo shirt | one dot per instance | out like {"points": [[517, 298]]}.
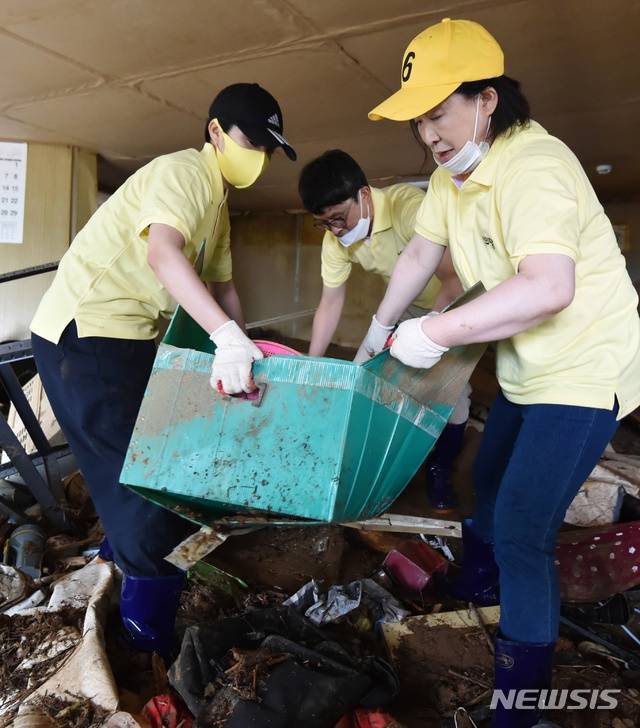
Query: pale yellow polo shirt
{"points": [[530, 195], [104, 281], [394, 215]]}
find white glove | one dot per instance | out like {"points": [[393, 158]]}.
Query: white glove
{"points": [[234, 355], [413, 347], [373, 343]]}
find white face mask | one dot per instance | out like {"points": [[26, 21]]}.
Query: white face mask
{"points": [[471, 154], [359, 231]]}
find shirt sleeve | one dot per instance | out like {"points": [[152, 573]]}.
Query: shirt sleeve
{"points": [[335, 263], [218, 266], [538, 205], [431, 219], [177, 195], [404, 210]]}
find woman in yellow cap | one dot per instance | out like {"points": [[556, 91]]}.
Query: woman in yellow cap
{"points": [[518, 213]]}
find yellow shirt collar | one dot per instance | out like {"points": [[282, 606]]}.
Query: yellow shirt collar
{"points": [[381, 212], [485, 172]]}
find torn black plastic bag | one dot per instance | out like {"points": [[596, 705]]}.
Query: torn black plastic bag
{"points": [[318, 684]]}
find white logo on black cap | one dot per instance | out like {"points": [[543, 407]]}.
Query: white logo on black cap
{"points": [[273, 119]]}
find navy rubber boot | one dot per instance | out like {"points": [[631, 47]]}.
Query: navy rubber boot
{"points": [[478, 581], [148, 607], [521, 666], [440, 468]]}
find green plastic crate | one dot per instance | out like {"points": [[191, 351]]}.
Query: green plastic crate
{"points": [[330, 440]]}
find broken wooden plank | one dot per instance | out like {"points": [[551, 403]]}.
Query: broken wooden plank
{"points": [[409, 524]]}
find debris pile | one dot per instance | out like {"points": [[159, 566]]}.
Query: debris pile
{"points": [[318, 625]]}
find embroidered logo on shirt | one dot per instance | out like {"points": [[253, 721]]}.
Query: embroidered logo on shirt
{"points": [[488, 241]]}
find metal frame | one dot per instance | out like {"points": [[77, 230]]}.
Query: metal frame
{"points": [[47, 490]]}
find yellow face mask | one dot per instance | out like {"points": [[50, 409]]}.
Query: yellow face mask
{"points": [[240, 166]]}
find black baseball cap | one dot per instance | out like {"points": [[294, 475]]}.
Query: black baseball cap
{"points": [[255, 112]]}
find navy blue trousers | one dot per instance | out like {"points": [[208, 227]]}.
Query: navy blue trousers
{"points": [[531, 463], [95, 386]]}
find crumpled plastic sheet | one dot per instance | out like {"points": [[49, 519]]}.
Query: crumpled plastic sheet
{"points": [[341, 600]]}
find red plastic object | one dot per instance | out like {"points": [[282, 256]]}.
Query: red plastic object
{"points": [[268, 348], [272, 348], [595, 563], [362, 718], [412, 566], [167, 711]]}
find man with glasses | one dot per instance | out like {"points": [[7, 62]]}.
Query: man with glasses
{"points": [[371, 226]]}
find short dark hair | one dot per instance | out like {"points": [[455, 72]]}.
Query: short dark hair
{"points": [[512, 109], [330, 179]]}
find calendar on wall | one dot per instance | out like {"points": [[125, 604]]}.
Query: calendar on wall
{"points": [[13, 179]]}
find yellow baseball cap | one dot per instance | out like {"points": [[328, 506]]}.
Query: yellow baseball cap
{"points": [[436, 62]]}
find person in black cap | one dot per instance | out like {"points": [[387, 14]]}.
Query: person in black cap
{"points": [[93, 333]]}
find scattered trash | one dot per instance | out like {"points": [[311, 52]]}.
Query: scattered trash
{"points": [[361, 718], [339, 601], [630, 659], [617, 609], [409, 524], [15, 586], [196, 547], [274, 665], [211, 576], [439, 544], [68, 711], [253, 655], [167, 711], [592, 649], [413, 566], [69, 629], [25, 548], [597, 503]]}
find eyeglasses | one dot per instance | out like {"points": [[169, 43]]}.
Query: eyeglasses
{"points": [[336, 222]]}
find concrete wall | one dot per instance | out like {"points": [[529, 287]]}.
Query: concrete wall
{"points": [[277, 271], [60, 197], [628, 213], [276, 267]]}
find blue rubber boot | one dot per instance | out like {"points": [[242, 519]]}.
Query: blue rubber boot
{"points": [[521, 666], [478, 580], [148, 607], [440, 468]]}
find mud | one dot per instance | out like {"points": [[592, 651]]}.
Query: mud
{"points": [[72, 712], [440, 669], [285, 558], [21, 637]]}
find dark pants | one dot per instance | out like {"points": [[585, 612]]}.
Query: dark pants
{"points": [[532, 461], [95, 386]]}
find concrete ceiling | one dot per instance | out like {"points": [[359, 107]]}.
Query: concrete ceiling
{"points": [[132, 79]]}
